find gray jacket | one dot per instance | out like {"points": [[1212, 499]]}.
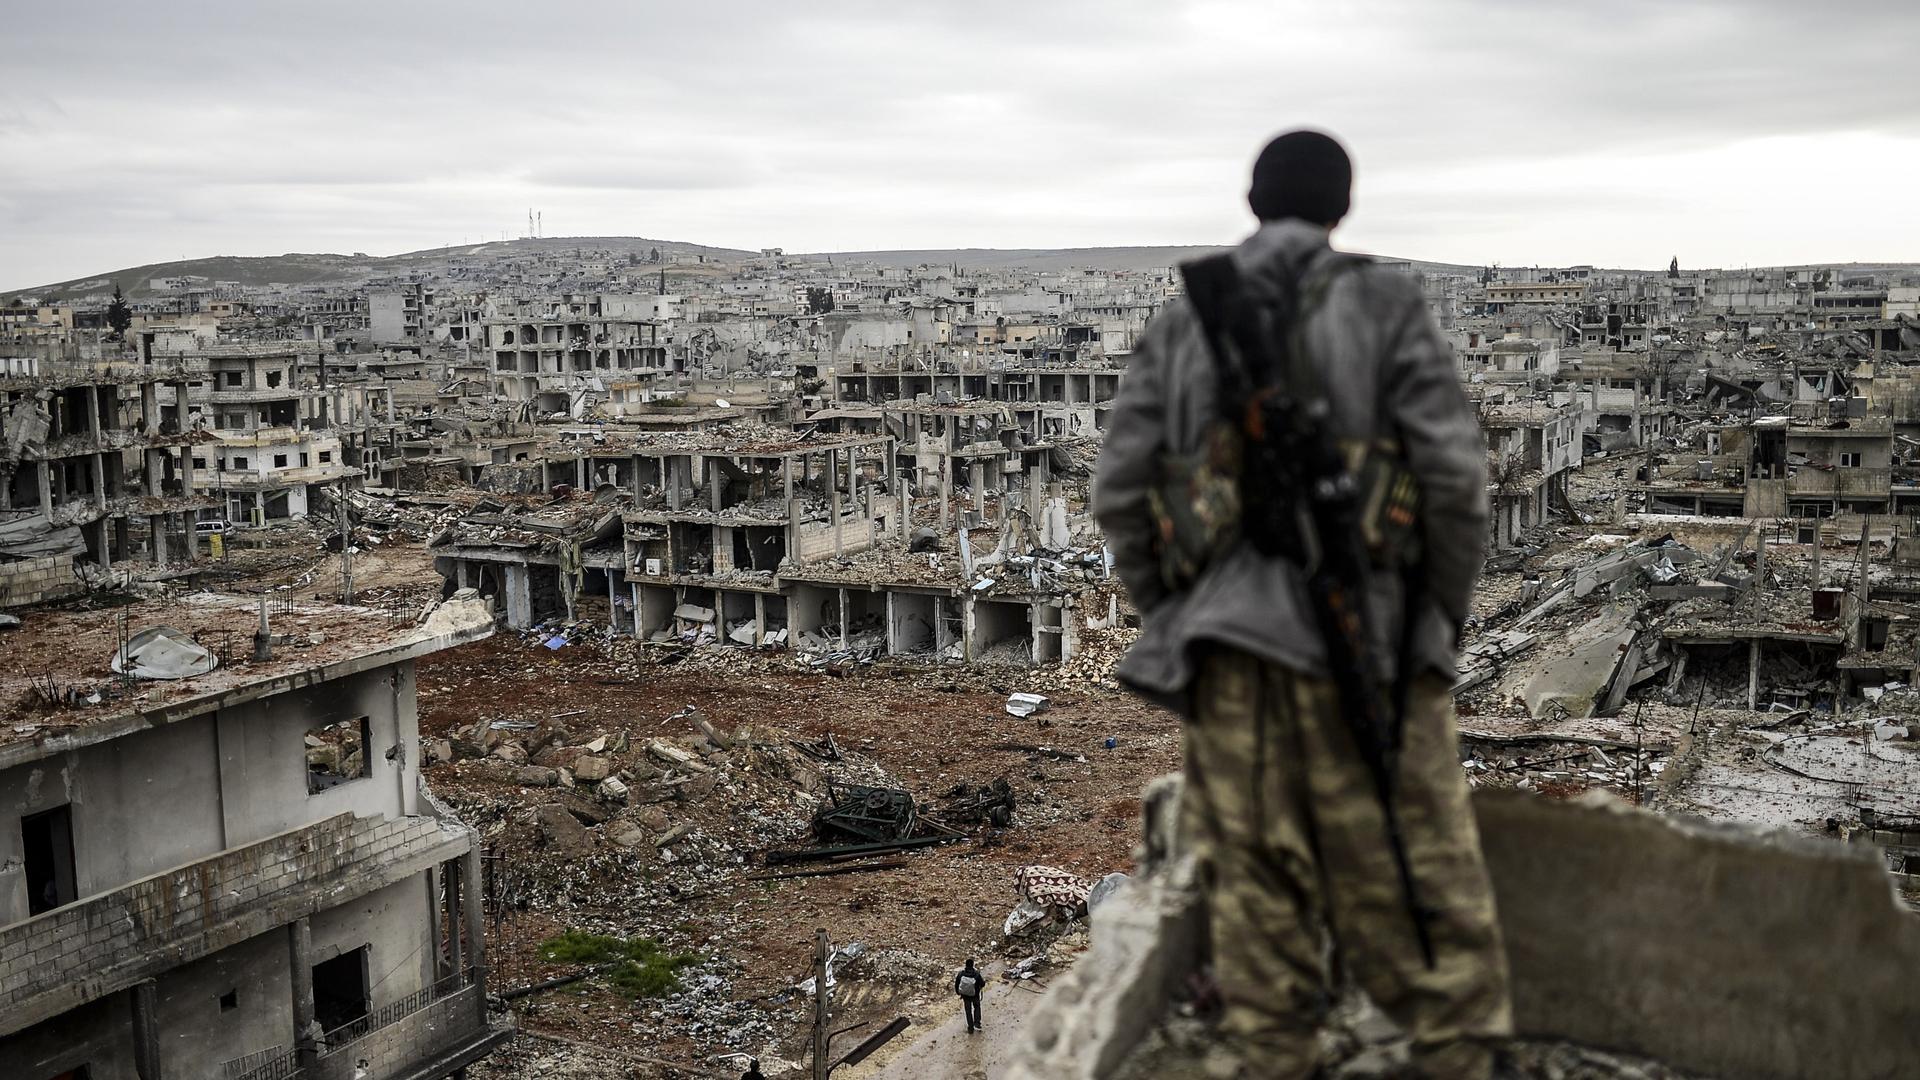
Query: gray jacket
{"points": [[1378, 352]]}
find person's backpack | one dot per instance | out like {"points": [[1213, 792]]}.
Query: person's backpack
{"points": [[1233, 486], [969, 984]]}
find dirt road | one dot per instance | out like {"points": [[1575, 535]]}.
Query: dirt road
{"points": [[946, 1050]]}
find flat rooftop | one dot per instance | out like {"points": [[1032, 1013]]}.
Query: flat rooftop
{"points": [[58, 688]]}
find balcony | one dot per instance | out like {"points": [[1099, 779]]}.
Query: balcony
{"points": [[427, 1033], [1850, 482], [106, 943]]}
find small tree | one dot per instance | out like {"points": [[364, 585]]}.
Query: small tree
{"points": [[819, 300], [119, 315], [653, 255]]}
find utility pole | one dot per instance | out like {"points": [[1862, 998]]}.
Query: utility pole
{"points": [[820, 954]]}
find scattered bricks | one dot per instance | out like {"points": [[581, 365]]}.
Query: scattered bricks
{"points": [[651, 793], [559, 757], [591, 769], [612, 790], [627, 832], [560, 831], [536, 776]]}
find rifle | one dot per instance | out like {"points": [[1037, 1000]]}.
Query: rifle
{"points": [[1308, 507]]}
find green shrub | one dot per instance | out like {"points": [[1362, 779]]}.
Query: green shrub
{"points": [[640, 968]]}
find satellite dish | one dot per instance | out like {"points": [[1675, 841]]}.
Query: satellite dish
{"points": [[721, 403]]}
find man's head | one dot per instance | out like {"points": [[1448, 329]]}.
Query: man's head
{"points": [[1302, 174], [969, 963]]}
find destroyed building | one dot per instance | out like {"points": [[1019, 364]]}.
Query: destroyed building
{"points": [[94, 469], [217, 857], [668, 468]]}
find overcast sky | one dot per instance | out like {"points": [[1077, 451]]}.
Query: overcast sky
{"points": [[1742, 132]]}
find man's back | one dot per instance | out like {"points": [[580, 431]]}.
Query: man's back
{"points": [[1387, 373]]}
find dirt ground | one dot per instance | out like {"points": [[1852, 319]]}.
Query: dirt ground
{"points": [[924, 729]]}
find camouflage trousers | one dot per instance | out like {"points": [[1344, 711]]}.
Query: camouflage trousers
{"points": [[1303, 894]]}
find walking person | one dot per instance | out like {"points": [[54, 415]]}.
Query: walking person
{"points": [[969, 984], [1293, 487]]}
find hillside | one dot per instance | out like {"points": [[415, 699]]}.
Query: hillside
{"points": [[1043, 259], [298, 268]]}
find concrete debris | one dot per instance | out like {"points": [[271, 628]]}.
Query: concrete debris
{"points": [[1024, 705], [161, 652]]}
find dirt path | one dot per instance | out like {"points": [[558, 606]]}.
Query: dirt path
{"points": [[946, 1050]]}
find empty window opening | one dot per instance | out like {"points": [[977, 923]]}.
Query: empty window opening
{"points": [[340, 989], [338, 753], [47, 849], [279, 461], [230, 1001], [233, 378]]}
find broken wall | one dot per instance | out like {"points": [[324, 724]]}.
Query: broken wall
{"points": [[1713, 948], [1716, 949], [36, 581]]}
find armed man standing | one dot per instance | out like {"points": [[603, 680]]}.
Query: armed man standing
{"points": [[1294, 489]]}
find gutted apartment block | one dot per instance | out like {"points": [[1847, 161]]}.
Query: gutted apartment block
{"points": [[228, 866]]}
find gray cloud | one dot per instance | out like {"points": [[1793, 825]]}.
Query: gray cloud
{"points": [[1483, 129]]}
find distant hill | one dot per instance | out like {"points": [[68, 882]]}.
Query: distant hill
{"points": [[322, 269], [1043, 259], [318, 269]]}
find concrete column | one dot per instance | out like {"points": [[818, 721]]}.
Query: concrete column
{"points": [[300, 966], [473, 914], [940, 630], [613, 609], [44, 477], [146, 1031], [157, 530], [887, 626], [454, 882], [672, 476], [977, 480], [786, 478], [713, 483], [1753, 674], [518, 598], [843, 620], [945, 489], [833, 498], [759, 618], [97, 466]]}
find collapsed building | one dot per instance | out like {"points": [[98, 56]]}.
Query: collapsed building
{"points": [[217, 857], [96, 467], [1701, 593]]}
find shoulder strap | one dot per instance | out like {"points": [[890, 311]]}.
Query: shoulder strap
{"points": [[1213, 283]]}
